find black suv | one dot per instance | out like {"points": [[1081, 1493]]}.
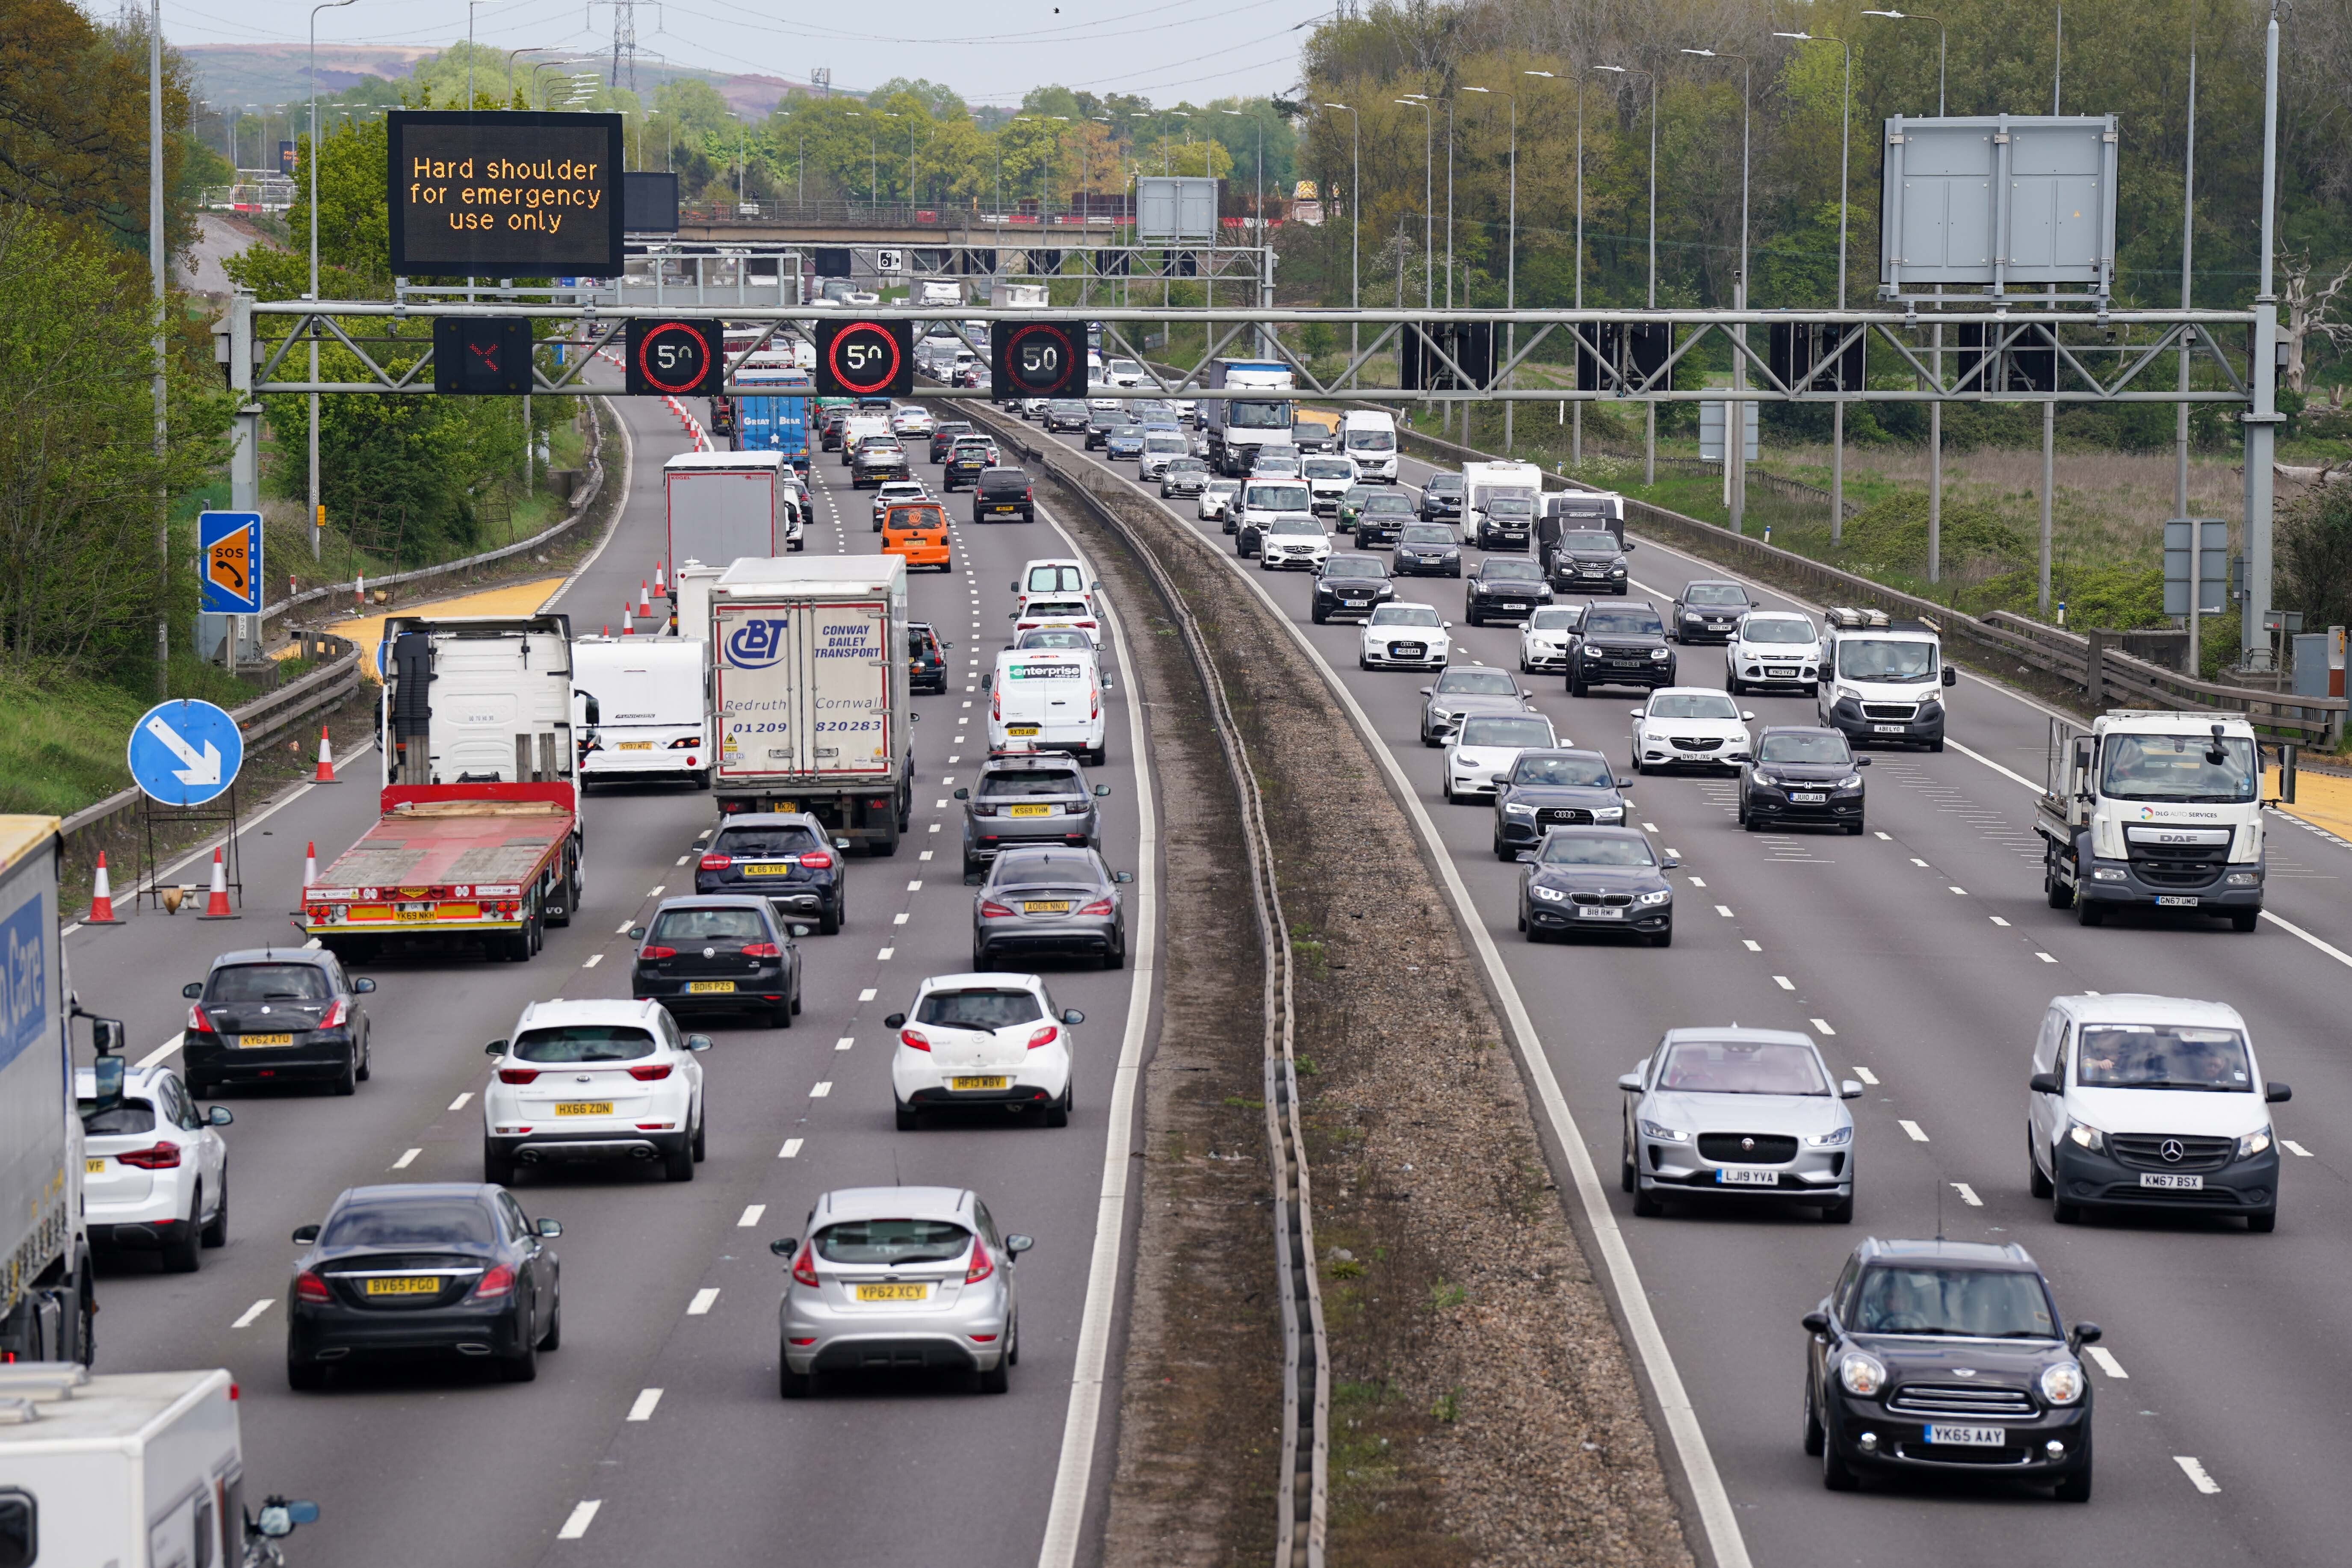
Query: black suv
{"points": [[1508, 523], [1620, 645], [1351, 586], [829, 424], [784, 858], [1590, 560], [276, 1016], [1440, 498], [1002, 492], [1709, 610], [1383, 518], [1947, 1358], [1504, 590], [1100, 425], [1801, 774], [1028, 797], [927, 658], [944, 436]]}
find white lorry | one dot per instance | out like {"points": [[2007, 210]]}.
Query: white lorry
{"points": [[1004, 295], [1882, 681], [643, 708], [725, 505], [1482, 481], [2154, 809], [809, 689], [131, 1470], [1369, 436], [939, 291], [1237, 427]]}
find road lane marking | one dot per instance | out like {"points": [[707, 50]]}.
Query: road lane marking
{"points": [[1784, 983], [593, 959], [1885, 838], [821, 1089], [656, 890], [1911, 1129], [844, 1043], [751, 1213], [1699, 882], [1967, 1195], [2045, 958], [406, 1160], [245, 1320], [883, 956], [459, 1103], [160, 1052], [899, 919], [791, 1151], [1962, 891], [621, 929], [1866, 1076], [2196, 1474], [643, 1410], [1999, 921], [2292, 1147], [915, 887], [1724, 909], [1916, 861], [1752, 944], [2338, 953], [1823, 1026], [866, 996], [935, 827], [583, 1515], [2108, 1361], [1674, 852], [704, 1299], [681, 859]]}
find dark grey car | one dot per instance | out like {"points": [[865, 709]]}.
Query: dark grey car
{"points": [[1465, 691], [1707, 610], [1588, 560], [1562, 788], [1596, 879], [272, 1016], [1428, 550], [1025, 798], [1350, 586], [1041, 902]]}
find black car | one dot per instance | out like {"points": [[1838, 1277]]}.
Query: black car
{"points": [[1442, 498], [1064, 416], [1428, 550], [1707, 610], [1311, 438], [1596, 879], [829, 424], [1620, 645], [1382, 519], [1351, 586], [1561, 788], [783, 858], [1588, 560], [1801, 774], [1029, 797], [1462, 690], [424, 1266], [1100, 423], [927, 658], [944, 436], [1504, 590], [967, 461], [1508, 523], [1947, 1358], [276, 1016], [1003, 492], [725, 954], [1568, 512]]}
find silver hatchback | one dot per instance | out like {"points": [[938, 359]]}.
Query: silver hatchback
{"points": [[1741, 1112], [899, 1279]]}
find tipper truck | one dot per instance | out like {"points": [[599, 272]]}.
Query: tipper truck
{"points": [[809, 689], [2154, 809], [1236, 426], [478, 836]]}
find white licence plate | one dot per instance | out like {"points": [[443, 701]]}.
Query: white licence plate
{"points": [[1969, 1437], [1886, 728], [1355, 603], [1807, 796], [2171, 1182], [2176, 901], [1515, 605], [1746, 1176], [1599, 912], [1779, 674]]}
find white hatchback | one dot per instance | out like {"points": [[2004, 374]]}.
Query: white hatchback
{"points": [[156, 1172], [1543, 637], [609, 1079], [989, 1042], [1486, 745], [1690, 726], [1405, 637], [1772, 647]]}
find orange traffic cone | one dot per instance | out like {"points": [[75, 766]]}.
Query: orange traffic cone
{"points": [[657, 579], [629, 623], [216, 904], [101, 898], [326, 774], [644, 600], [309, 863]]}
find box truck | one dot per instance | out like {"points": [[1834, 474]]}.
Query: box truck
{"points": [[725, 505], [773, 421], [1238, 427]]}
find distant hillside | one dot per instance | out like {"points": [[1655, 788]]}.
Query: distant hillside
{"points": [[279, 73]]}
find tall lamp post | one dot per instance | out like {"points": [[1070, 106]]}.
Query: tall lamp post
{"points": [[470, 5], [1576, 433], [1510, 270], [1936, 357], [1428, 195], [1649, 409], [1735, 419], [1845, 149], [312, 333], [1355, 232]]}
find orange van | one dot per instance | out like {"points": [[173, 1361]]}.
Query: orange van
{"points": [[918, 530]]}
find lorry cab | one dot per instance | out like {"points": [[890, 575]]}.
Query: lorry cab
{"points": [[1048, 698], [1882, 681], [1370, 437], [2154, 809], [1578, 510], [642, 708]]}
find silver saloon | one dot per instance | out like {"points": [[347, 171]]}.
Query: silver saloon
{"points": [[1737, 1113], [887, 1279]]}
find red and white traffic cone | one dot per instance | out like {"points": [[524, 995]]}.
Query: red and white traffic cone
{"points": [[645, 599], [326, 774], [309, 863], [216, 904], [628, 617], [657, 579], [101, 898], [358, 589]]}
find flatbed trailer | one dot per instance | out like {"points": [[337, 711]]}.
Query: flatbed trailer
{"points": [[486, 862]]}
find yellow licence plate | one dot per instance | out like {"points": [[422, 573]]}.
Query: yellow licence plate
{"points": [[785, 806], [894, 1292], [708, 987], [411, 911], [980, 1083], [635, 746], [583, 1108], [1021, 728], [247, 1042], [1028, 811], [1045, 907], [404, 1285], [772, 870], [94, 1167]]}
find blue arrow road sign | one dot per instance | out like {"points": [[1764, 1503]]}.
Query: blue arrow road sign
{"points": [[185, 753], [228, 562]]}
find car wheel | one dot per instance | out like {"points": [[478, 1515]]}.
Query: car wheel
{"points": [[792, 1385], [179, 1250], [997, 1379], [909, 1119], [523, 1365], [1445, 788], [1628, 1178], [678, 1164], [1813, 1435], [2263, 1223], [1523, 918], [1364, 663], [979, 961], [1317, 615], [1840, 1212], [367, 1059], [829, 921], [304, 1376], [2063, 1213], [2087, 912], [1057, 1113], [1836, 1475], [553, 1339], [2076, 1486], [701, 1137], [215, 1231], [1115, 956], [1504, 851], [1665, 938], [349, 1082], [2056, 893], [1854, 830], [1646, 1203], [2035, 1181], [2244, 920], [1575, 687]]}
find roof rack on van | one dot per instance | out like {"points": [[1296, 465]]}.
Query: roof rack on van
{"points": [[1850, 618]]}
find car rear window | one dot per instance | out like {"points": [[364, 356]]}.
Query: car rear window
{"points": [[902, 517], [130, 1116], [988, 1009], [1507, 731], [583, 1043], [267, 982], [1056, 579], [680, 926], [1054, 636], [755, 841], [1033, 870], [1030, 781], [892, 1241], [1004, 480], [410, 1222]]}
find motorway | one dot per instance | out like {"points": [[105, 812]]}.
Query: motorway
{"points": [[1921, 957], [656, 1433]]}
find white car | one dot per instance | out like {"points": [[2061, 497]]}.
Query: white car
{"points": [[1218, 498], [1690, 726], [1543, 638], [1329, 479], [1772, 647], [1485, 747], [896, 492], [1123, 372], [1293, 539], [1405, 637], [986, 1040], [911, 422], [609, 1079], [157, 1171]]}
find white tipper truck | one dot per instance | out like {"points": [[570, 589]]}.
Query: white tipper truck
{"points": [[1238, 427], [2154, 809], [809, 689]]}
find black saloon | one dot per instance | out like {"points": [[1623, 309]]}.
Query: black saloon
{"points": [[722, 955], [1596, 879], [269, 1016], [1801, 774]]}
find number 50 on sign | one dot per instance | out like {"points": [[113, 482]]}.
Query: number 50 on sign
{"points": [[228, 562]]}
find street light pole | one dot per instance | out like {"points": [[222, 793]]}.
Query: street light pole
{"points": [[2261, 424], [1355, 232], [1936, 356], [1576, 437], [1735, 420], [1510, 269], [1649, 409], [1428, 197], [312, 332], [1837, 409]]}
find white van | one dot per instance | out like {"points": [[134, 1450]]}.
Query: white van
{"points": [[1047, 698], [641, 709], [1370, 437]]}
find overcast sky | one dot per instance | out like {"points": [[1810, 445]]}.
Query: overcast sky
{"points": [[990, 51]]}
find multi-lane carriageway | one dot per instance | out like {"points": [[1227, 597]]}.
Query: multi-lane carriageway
{"points": [[656, 1433], [1921, 956]]}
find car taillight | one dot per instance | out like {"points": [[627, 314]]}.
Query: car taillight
{"points": [[804, 1267], [498, 1282], [763, 949], [685, 742], [914, 1040], [1100, 906], [983, 1265], [518, 1074], [334, 1018], [161, 1157], [715, 862], [1094, 702], [990, 909], [815, 860], [199, 1024], [996, 705], [653, 1073], [309, 1286], [1044, 1036], [657, 953]]}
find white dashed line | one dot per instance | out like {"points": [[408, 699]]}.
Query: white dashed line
{"points": [[1962, 891], [2108, 1361], [406, 1160], [1967, 1195], [1866, 1076], [621, 929], [1784, 983], [1916, 861], [1724, 909], [2196, 1474], [791, 1151], [1649, 828], [704, 1299], [915, 887], [593, 959], [656, 890], [883, 956], [1885, 838], [2292, 1147], [1999, 921], [935, 827], [681, 859], [927, 853], [459, 1103], [643, 1410], [822, 1089], [2045, 958], [899, 919], [1752, 944], [1823, 1026], [582, 1516], [751, 1213], [245, 1320], [1912, 1130]]}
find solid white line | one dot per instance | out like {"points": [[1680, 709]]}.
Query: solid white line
{"points": [[459, 1103], [628, 465], [1979, 756], [1866, 1076], [704, 1299], [643, 1410], [2108, 1361], [2338, 953], [583, 1514], [2292, 1147], [245, 1320], [1784, 983], [1912, 1130], [790, 1149], [160, 1052], [407, 1159], [750, 1216], [819, 1092], [2196, 1474], [1967, 1195], [593, 959]]}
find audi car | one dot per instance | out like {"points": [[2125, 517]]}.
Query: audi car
{"points": [[1554, 787], [1404, 636]]}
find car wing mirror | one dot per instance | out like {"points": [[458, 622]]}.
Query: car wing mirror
{"points": [[304, 1235], [895, 1020], [1428, 690], [697, 1042], [549, 1228], [1746, 717], [841, 845], [219, 1116], [1525, 857], [1631, 1082], [1101, 790], [1848, 1089], [362, 986], [2045, 1083], [1862, 761], [963, 794], [988, 680], [193, 990], [2085, 1334], [2276, 1093], [1815, 1323], [1625, 784], [1074, 1017], [495, 1049], [1627, 546], [1017, 1245], [1951, 675], [1669, 863], [107, 1036], [800, 930], [785, 1247], [636, 934], [1122, 877]]}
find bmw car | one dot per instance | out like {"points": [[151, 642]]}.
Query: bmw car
{"points": [[1737, 1114], [1559, 787], [1596, 879], [1383, 518]]}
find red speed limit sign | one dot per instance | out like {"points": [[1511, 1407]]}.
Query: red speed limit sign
{"points": [[865, 359], [677, 359]]}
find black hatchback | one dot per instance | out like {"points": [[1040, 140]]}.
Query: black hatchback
{"points": [[424, 1266], [966, 461], [719, 955], [1801, 774], [1504, 589], [783, 858], [276, 1016]]}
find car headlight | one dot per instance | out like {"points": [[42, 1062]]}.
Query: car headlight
{"points": [[1862, 1372], [1655, 898], [1930, 698], [2244, 879], [1846, 694], [1770, 780], [2253, 1143], [1836, 1138], [1662, 1133], [2087, 1137], [1514, 809], [1549, 895], [2107, 874], [1691, 615], [1609, 813], [2062, 1382], [1617, 571], [1850, 780], [1659, 653]]}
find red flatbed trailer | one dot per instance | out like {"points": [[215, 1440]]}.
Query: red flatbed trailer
{"points": [[490, 861]]}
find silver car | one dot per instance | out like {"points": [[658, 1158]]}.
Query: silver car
{"points": [[1749, 1112], [1043, 900], [899, 1278]]}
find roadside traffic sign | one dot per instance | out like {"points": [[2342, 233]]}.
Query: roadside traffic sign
{"points": [[228, 562], [675, 359], [1036, 359], [184, 752], [866, 359], [889, 261]]}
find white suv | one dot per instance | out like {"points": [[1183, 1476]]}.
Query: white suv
{"points": [[991, 1042], [158, 1172], [593, 1080]]}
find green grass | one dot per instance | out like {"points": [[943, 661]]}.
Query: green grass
{"points": [[62, 737]]}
